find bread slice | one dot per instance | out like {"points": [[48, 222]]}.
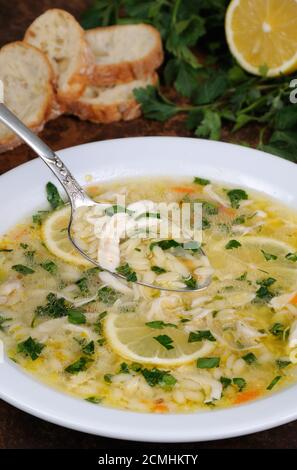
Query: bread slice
{"points": [[105, 105], [124, 53], [61, 38], [27, 78]]}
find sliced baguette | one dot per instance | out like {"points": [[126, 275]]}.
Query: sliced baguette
{"points": [[124, 53], [105, 105], [61, 38], [27, 78]]}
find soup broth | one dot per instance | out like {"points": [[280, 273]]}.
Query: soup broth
{"points": [[115, 343]]}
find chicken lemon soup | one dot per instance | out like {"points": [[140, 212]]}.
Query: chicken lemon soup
{"points": [[111, 341]]}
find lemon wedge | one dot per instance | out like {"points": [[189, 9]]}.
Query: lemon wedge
{"points": [[263, 33], [131, 338], [258, 256], [55, 237]]}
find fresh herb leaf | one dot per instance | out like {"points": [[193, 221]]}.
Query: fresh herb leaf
{"points": [[30, 347], [232, 244], [274, 382], [190, 282], [210, 126], [292, 257], [94, 400], [225, 381], [89, 348], [22, 269], [153, 104], [264, 294], [156, 377], [268, 256], [78, 366], [126, 271], [159, 324], [249, 358], [165, 244], [75, 316], [239, 382], [201, 181], [277, 330], [5, 250], [236, 196], [117, 209], [55, 307], [152, 215], [208, 362], [53, 196], [50, 267], [124, 368], [107, 295], [165, 341], [83, 285], [281, 364], [200, 335], [108, 378], [39, 217], [158, 270]]}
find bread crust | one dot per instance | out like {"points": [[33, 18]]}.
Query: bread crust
{"points": [[83, 70], [125, 110], [50, 109], [127, 71]]}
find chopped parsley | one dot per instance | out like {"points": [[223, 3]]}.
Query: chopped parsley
{"points": [[239, 220], [39, 217], [78, 366], [156, 377], [107, 295], [273, 382], [153, 215], [165, 341], [50, 267], [277, 330], [117, 209], [5, 250], [89, 348], [232, 244], [208, 362], [190, 282], [108, 378], [292, 257], [239, 382], [94, 400], [124, 368], [22, 269], [75, 316], [235, 196], [158, 270], [225, 381], [201, 181], [2, 321], [126, 271], [53, 196], [209, 208], [281, 364], [200, 335], [268, 256], [165, 244], [264, 294], [55, 307], [249, 358], [30, 347], [82, 284], [159, 324]]}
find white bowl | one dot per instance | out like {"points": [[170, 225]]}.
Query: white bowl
{"points": [[22, 191]]}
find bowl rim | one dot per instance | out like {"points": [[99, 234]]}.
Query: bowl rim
{"points": [[28, 394]]}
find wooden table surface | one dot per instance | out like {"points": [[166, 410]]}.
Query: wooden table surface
{"points": [[18, 429]]}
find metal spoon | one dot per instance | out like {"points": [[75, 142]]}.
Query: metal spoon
{"points": [[77, 196]]}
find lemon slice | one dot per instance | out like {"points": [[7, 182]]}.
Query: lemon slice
{"points": [[251, 257], [132, 339], [263, 33], [55, 236]]}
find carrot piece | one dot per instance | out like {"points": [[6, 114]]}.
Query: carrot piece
{"points": [[294, 300], [160, 408], [243, 397], [184, 189], [228, 211]]}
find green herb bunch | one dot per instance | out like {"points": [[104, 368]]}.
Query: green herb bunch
{"points": [[211, 89]]}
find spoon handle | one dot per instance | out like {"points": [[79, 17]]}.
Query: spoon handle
{"points": [[74, 191]]}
